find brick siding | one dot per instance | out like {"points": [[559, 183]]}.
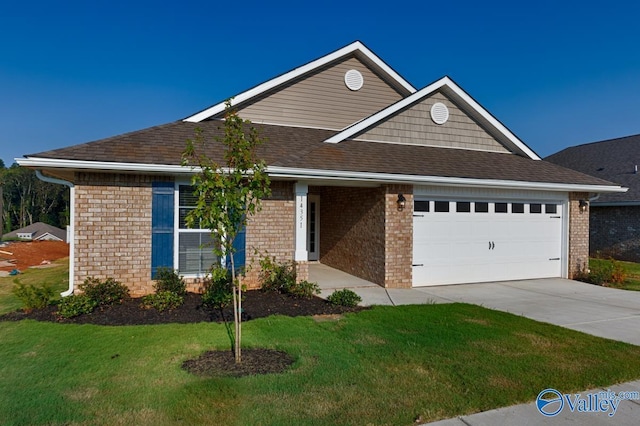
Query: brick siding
{"points": [[398, 228], [615, 232], [271, 231], [352, 232], [363, 233], [113, 229], [578, 235]]}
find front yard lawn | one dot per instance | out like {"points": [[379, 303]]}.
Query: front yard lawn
{"points": [[386, 365]]}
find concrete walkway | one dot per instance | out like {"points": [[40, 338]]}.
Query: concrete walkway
{"points": [[600, 311]]}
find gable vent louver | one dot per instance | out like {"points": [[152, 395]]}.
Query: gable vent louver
{"points": [[353, 79], [439, 113]]}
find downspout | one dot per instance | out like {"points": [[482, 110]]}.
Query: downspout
{"points": [[592, 199], [71, 234]]}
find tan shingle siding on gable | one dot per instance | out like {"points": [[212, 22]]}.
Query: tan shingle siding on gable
{"points": [[322, 100], [414, 126]]}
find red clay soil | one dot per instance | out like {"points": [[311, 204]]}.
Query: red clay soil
{"points": [[32, 253]]}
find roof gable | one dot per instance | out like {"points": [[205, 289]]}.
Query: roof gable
{"points": [[460, 98], [414, 126], [365, 61]]}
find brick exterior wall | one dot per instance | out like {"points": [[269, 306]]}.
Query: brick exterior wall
{"points": [[113, 229], [363, 233], [398, 228], [578, 235], [271, 231], [615, 232], [352, 232]]}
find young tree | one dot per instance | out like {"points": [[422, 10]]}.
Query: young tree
{"points": [[228, 193]]}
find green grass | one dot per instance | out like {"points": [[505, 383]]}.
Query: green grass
{"points": [[631, 269], [387, 365], [57, 276]]}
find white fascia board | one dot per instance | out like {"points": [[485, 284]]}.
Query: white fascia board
{"points": [[45, 163], [421, 94], [311, 174], [297, 72], [436, 180]]}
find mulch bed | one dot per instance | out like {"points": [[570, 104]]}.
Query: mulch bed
{"points": [[257, 304]]}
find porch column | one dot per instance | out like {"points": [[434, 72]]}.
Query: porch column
{"points": [[301, 190]]}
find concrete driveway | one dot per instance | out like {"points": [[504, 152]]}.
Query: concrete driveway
{"points": [[600, 311]]}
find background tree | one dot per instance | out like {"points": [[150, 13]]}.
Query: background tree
{"points": [[27, 199], [227, 193]]}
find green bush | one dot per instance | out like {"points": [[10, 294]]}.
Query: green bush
{"points": [[72, 306], [106, 292], [218, 289], [169, 280], [281, 277], [275, 276], [304, 290], [162, 300], [603, 272], [33, 297], [344, 297]]}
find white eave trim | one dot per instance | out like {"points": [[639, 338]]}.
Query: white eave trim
{"points": [[422, 93], [297, 72], [310, 174]]}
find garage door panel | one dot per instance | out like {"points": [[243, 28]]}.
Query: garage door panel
{"points": [[457, 247]]}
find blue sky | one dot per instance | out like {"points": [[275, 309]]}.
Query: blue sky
{"points": [[556, 74]]}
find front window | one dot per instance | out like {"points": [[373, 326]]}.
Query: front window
{"points": [[195, 245]]}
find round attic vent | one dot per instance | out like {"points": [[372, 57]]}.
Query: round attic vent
{"points": [[439, 113], [353, 79]]}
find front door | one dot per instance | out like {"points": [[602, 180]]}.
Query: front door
{"points": [[313, 226]]}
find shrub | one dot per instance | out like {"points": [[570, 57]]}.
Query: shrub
{"points": [[603, 272], [344, 297], [169, 280], [33, 297], [276, 276], [218, 292], [162, 300], [303, 290], [72, 306], [105, 292]]}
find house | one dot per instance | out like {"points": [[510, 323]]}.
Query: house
{"points": [[614, 226], [371, 176], [38, 231]]}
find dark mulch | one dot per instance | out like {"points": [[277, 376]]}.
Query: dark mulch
{"points": [[257, 304], [254, 361]]}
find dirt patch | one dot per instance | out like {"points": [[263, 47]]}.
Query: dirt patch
{"points": [[25, 254]]}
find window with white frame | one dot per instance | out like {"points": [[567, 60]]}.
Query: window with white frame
{"points": [[195, 245]]}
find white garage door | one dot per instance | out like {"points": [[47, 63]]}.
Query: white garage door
{"points": [[478, 241]]}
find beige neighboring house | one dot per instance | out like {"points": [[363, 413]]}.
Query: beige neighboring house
{"points": [[370, 175], [38, 232]]}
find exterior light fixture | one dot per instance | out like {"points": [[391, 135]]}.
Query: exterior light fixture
{"points": [[401, 202], [583, 206]]}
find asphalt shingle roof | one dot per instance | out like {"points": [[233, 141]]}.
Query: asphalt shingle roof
{"points": [[304, 148], [613, 160]]}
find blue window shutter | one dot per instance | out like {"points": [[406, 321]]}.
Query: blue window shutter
{"points": [[240, 255], [162, 206]]}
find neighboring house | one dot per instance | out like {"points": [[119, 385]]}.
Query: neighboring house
{"points": [[615, 217], [398, 186], [38, 232]]}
